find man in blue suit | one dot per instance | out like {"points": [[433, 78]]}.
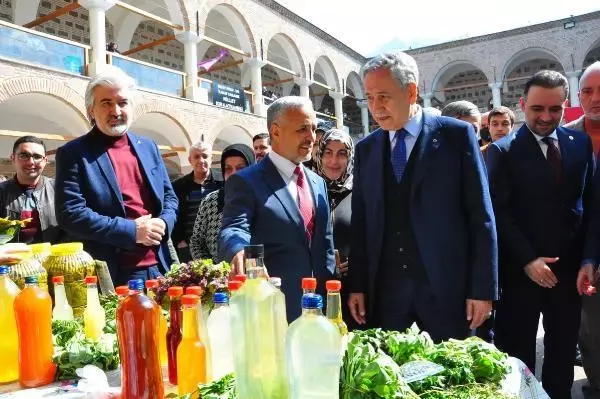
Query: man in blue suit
{"points": [[424, 237], [540, 182], [112, 188], [283, 205]]}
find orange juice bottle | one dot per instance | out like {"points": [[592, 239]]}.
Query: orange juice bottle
{"points": [[191, 352], [162, 325], [33, 311], [9, 344]]}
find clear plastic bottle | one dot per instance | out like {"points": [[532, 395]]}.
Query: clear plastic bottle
{"points": [[334, 306], [94, 317], [313, 350], [241, 278], [309, 285], [219, 333], [257, 322], [191, 352], [9, 344], [233, 286], [62, 309], [202, 326]]}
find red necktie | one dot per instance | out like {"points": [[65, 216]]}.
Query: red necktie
{"points": [[553, 157], [305, 203]]}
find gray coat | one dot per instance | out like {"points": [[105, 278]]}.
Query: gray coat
{"points": [[577, 124]]}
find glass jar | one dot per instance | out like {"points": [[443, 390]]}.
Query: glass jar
{"points": [[74, 264]]}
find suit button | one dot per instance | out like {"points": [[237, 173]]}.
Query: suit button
{"points": [[404, 267]]}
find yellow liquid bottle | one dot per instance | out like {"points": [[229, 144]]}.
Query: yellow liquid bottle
{"points": [[94, 317], [9, 344], [191, 352], [151, 285]]}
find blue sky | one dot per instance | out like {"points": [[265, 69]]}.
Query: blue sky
{"points": [[378, 25]]}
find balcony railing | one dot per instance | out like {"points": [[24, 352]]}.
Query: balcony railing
{"points": [[149, 76], [24, 44]]}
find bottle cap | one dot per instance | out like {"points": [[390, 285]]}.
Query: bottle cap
{"points": [[234, 285], [69, 248], [4, 269], [254, 251], [194, 290], [309, 283], [136, 285], [190, 299], [312, 301], [31, 280], [240, 277], [221, 297], [333, 285], [39, 248], [58, 279], [175, 291], [151, 284], [122, 290], [91, 280], [276, 281]]}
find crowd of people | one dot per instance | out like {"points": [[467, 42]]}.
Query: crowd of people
{"points": [[421, 220]]}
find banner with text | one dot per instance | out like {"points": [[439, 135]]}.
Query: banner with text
{"points": [[229, 96]]}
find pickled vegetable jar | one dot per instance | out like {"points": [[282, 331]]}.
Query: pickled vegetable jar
{"points": [[29, 266], [40, 251]]}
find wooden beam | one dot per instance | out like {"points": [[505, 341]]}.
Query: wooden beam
{"points": [[164, 39], [169, 148], [148, 15], [227, 46], [224, 66], [275, 83], [281, 68], [52, 15], [470, 86], [168, 154]]}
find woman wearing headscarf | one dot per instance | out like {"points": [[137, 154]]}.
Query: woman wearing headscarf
{"points": [[334, 162], [203, 244]]}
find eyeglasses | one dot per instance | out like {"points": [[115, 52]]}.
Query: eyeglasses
{"points": [[25, 156]]}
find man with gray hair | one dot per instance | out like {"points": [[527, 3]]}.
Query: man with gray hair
{"points": [[283, 205], [464, 111], [191, 189], [589, 332], [417, 255], [112, 188]]}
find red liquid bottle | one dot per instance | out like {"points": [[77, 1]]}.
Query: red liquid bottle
{"points": [[137, 326], [174, 331]]}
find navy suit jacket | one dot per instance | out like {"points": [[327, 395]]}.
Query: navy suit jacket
{"points": [[450, 211], [89, 204], [535, 217], [260, 210]]}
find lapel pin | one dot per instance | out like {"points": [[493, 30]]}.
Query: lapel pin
{"points": [[434, 140], [139, 142], [570, 137]]}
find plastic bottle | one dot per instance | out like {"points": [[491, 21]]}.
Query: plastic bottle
{"points": [[258, 323], [151, 285], [94, 317], [202, 326], [233, 286], [241, 278], [334, 306], [313, 350], [276, 281], [122, 291], [219, 333], [191, 353], [62, 309], [174, 331], [309, 285], [137, 326], [33, 312], [9, 344]]}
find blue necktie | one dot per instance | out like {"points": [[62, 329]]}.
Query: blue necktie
{"points": [[399, 154]]}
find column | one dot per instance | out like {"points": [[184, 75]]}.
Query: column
{"points": [[97, 14], [304, 85], [427, 100], [255, 66], [496, 94], [190, 42], [573, 77], [339, 111], [364, 115]]}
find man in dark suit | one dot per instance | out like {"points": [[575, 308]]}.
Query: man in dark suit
{"points": [[424, 237], [540, 182], [112, 188], [283, 205]]}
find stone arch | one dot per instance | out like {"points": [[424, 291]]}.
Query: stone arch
{"points": [[591, 54], [461, 79], [245, 135], [235, 23], [449, 70], [528, 54], [169, 55], [324, 67], [282, 42], [354, 83], [170, 112]]}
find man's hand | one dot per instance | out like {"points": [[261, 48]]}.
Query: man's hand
{"points": [[237, 264], [343, 269], [586, 280], [540, 273], [149, 230], [478, 311], [356, 303]]}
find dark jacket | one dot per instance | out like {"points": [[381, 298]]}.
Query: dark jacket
{"points": [[12, 199], [182, 187]]}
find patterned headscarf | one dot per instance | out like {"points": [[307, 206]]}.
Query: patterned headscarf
{"points": [[344, 184]]}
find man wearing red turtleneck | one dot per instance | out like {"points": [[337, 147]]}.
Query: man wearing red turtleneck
{"points": [[113, 191], [589, 332]]}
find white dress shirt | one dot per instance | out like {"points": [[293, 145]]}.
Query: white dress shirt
{"points": [[286, 169], [544, 146], [413, 127]]}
